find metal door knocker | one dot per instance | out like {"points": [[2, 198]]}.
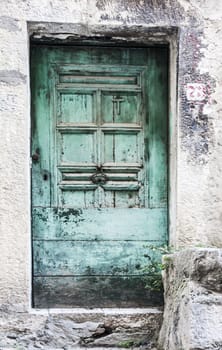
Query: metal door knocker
{"points": [[99, 178]]}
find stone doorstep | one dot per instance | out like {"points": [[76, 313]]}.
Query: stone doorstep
{"points": [[112, 329], [85, 348]]}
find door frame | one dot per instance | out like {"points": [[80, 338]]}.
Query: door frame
{"points": [[130, 37]]}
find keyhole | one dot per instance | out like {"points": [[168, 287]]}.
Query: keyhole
{"points": [[45, 177]]}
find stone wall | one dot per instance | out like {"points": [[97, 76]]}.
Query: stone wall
{"points": [[193, 29]]}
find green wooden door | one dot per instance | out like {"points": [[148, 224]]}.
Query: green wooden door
{"points": [[99, 173]]}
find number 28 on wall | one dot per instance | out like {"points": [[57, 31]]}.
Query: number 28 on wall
{"points": [[195, 91]]}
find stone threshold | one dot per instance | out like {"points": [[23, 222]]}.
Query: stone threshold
{"points": [[73, 329], [104, 311]]}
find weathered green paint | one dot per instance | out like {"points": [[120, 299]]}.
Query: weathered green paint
{"points": [[157, 131], [99, 172], [105, 224], [86, 258], [93, 291]]}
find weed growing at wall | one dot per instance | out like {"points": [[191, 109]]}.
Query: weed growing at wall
{"points": [[155, 265]]}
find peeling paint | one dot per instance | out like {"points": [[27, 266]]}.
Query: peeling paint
{"points": [[196, 127], [134, 11]]}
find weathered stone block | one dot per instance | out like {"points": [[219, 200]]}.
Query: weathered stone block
{"points": [[193, 301], [114, 329]]}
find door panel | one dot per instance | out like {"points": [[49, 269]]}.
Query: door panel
{"points": [[121, 107], [69, 224], [83, 105], [103, 291], [99, 173], [88, 257]]}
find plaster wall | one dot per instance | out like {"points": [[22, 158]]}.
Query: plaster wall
{"points": [[195, 127]]}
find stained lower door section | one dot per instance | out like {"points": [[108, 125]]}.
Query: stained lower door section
{"points": [[99, 173]]}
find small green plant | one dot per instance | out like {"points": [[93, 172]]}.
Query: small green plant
{"points": [[153, 270], [126, 344], [129, 343]]}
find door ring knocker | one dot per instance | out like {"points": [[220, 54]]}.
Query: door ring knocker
{"points": [[99, 178]]}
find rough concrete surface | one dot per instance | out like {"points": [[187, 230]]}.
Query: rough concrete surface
{"points": [[195, 125], [193, 301]]}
